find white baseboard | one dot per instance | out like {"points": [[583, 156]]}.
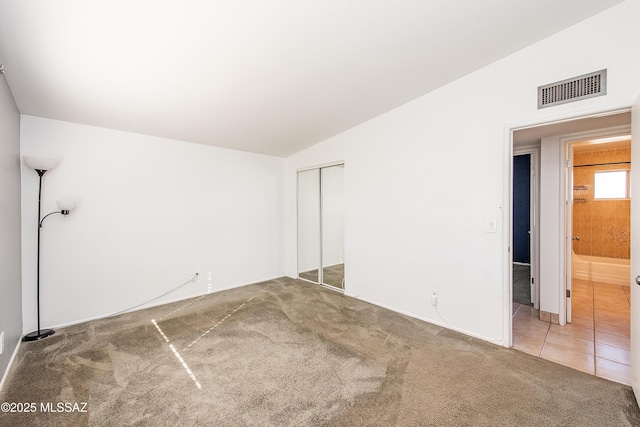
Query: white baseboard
{"points": [[13, 356], [495, 341], [150, 305]]}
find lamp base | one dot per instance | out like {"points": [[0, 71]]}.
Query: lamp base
{"points": [[38, 335]]}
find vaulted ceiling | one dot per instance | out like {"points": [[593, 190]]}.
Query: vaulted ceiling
{"points": [[270, 77]]}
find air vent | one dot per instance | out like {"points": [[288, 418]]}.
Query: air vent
{"points": [[573, 89]]}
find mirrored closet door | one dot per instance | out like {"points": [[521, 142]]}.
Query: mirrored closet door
{"points": [[321, 225]]}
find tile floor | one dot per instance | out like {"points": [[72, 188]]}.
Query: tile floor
{"points": [[597, 339]]}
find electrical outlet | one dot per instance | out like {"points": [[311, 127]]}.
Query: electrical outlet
{"points": [[1, 342], [435, 297]]}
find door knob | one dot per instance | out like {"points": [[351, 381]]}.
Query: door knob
{"points": [[575, 238], [637, 280]]}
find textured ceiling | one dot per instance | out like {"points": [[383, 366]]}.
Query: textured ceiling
{"points": [[270, 77]]}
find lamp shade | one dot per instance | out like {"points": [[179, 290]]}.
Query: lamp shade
{"points": [[41, 163], [66, 204]]}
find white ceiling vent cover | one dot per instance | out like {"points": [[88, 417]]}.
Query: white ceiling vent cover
{"points": [[573, 89]]}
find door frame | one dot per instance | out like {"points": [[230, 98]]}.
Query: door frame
{"points": [[507, 226], [534, 219], [566, 205], [319, 168], [635, 249]]}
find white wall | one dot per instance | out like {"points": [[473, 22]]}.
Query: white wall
{"points": [[421, 181], [150, 212], [11, 282]]}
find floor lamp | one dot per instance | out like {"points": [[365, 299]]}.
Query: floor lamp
{"points": [[41, 165]]}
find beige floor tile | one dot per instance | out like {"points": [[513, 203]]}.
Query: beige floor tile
{"points": [[597, 339], [614, 340], [620, 299], [586, 296], [613, 309], [535, 332], [601, 285], [612, 295], [564, 356], [615, 354], [527, 320], [527, 311], [582, 293], [578, 302], [570, 342], [611, 315], [581, 322], [612, 303], [582, 312], [621, 331], [527, 344], [582, 284], [617, 308], [617, 303], [606, 288], [616, 318], [571, 329], [613, 371]]}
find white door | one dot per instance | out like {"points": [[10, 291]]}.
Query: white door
{"points": [[635, 249]]}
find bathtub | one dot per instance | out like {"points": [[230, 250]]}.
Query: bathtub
{"points": [[599, 269]]}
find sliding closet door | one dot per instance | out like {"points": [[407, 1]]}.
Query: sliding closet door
{"points": [[321, 225], [309, 230], [332, 202]]}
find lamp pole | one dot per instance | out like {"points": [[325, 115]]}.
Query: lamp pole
{"points": [[40, 333], [41, 165]]}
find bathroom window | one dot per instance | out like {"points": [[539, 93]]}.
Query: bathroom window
{"points": [[611, 185]]}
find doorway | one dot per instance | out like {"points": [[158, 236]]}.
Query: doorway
{"points": [[579, 341], [596, 230], [598, 250], [524, 233]]}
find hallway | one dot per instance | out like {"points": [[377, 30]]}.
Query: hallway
{"points": [[597, 341]]}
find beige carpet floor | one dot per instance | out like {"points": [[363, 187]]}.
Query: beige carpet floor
{"points": [[290, 353]]}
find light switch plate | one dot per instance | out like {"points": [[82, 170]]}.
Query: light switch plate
{"points": [[492, 226]]}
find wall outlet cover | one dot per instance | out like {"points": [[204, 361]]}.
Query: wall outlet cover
{"points": [[435, 297]]}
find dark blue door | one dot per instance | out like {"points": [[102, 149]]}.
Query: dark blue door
{"points": [[521, 208]]}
